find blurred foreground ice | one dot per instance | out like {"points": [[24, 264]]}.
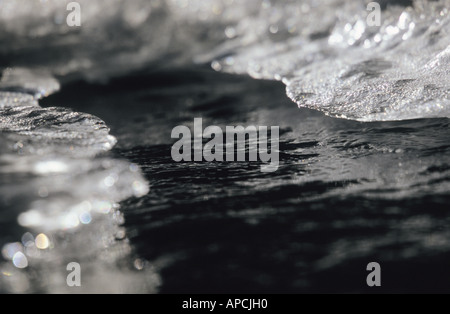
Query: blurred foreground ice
{"points": [[59, 197]]}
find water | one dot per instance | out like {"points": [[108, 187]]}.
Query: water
{"points": [[105, 192], [346, 193]]}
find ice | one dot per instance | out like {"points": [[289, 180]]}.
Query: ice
{"points": [[395, 72], [12, 99], [59, 194], [324, 51], [36, 83], [57, 131]]}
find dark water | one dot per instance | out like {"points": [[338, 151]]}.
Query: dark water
{"points": [[346, 193]]}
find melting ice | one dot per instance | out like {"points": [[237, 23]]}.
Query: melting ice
{"points": [[59, 196], [324, 51]]}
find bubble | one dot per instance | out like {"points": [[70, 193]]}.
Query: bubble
{"points": [[9, 250], [139, 264], [20, 260], [85, 218], [216, 65], [230, 32], [27, 239], [109, 181], [42, 242]]}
